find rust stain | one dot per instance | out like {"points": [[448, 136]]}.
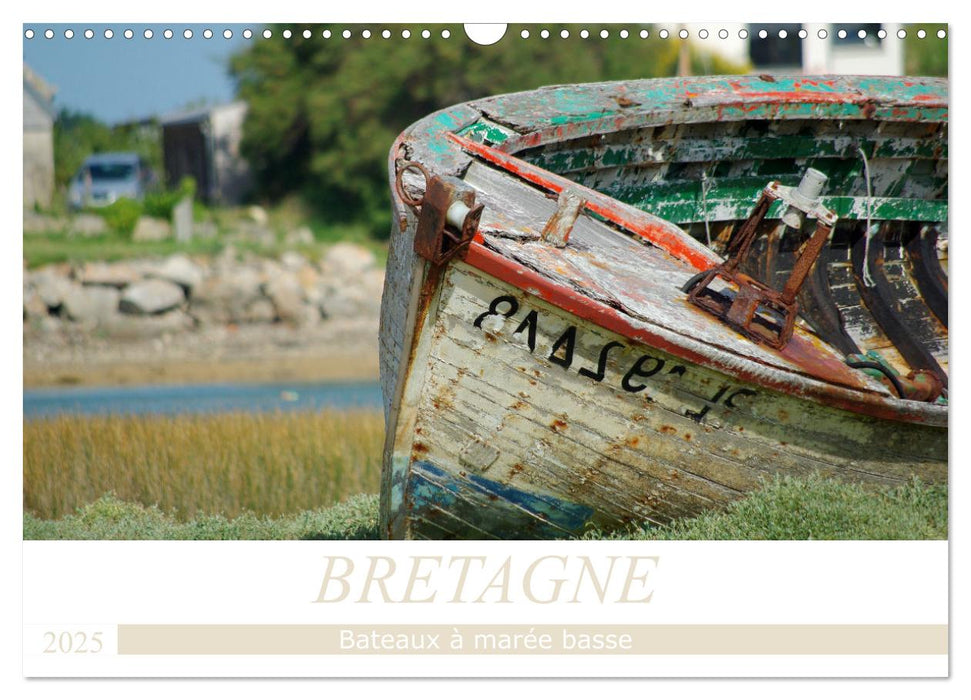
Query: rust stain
{"points": [[668, 429], [633, 441], [558, 425], [419, 448], [688, 437]]}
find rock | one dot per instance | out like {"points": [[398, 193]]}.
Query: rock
{"points": [[346, 260], [180, 270], [52, 287], [87, 225], [225, 296], [41, 223], [107, 274], [34, 306], [259, 311], [92, 304], [151, 229], [258, 214], [287, 297], [293, 261], [309, 282], [372, 282], [152, 296], [301, 236], [124, 327], [359, 300]]}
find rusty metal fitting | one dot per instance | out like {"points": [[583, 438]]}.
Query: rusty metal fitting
{"points": [[448, 220], [753, 308], [922, 385], [399, 183]]}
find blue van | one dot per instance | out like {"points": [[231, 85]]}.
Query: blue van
{"points": [[107, 177]]}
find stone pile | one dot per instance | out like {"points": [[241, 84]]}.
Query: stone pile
{"points": [[151, 298]]}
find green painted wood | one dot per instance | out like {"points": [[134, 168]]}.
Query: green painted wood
{"points": [[738, 148], [485, 131], [882, 209]]}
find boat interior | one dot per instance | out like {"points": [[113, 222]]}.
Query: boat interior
{"points": [[878, 290]]}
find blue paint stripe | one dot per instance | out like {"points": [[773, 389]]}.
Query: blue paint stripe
{"points": [[492, 507]]}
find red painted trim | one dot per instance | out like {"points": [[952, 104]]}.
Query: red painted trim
{"points": [[859, 400], [659, 232]]}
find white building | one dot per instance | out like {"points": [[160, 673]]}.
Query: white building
{"points": [[847, 49], [38, 140]]}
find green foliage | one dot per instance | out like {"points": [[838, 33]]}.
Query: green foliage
{"points": [[63, 246], [161, 204], [110, 518], [927, 56], [323, 114], [816, 509], [787, 509], [78, 135], [122, 215]]}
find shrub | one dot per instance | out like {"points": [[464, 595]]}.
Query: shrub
{"points": [[122, 215], [161, 204]]}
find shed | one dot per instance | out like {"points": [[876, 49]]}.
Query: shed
{"points": [[38, 140], [205, 144]]}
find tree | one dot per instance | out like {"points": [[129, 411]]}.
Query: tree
{"points": [[927, 56], [323, 113], [78, 135]]}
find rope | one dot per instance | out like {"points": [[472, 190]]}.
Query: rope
{"points": [[870, 232], [705, 185]]}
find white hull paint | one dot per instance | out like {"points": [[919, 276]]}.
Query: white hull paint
{"points": [[495, 439]]}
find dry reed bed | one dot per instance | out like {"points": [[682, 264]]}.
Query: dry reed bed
{"points": [[230, 463]]}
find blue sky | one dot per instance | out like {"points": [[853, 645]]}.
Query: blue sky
{"points": [[121, 79]]}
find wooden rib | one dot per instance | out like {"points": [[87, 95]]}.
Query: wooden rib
{"points": [[881, 302]]}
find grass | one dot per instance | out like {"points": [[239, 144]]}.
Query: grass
{"points": [[109, 518], [786, 509], [189, 466], [52, 247], [58, 247], [815, 509]]}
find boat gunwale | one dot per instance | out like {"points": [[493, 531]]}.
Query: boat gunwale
{"points": [[438, 134]]}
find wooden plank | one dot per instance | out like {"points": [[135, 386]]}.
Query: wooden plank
{"points": [[713, 147], [668, 450]]}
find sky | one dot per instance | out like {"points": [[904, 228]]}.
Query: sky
{"points": [[119, 79]]}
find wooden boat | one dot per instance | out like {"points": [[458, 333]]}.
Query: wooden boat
{"points": [[564, 346]]}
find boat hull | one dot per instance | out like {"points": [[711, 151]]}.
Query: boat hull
{"points": [[538, 385], [522, 420]]}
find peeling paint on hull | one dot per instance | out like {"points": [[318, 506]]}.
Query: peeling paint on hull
{"points": [[534, 391]]}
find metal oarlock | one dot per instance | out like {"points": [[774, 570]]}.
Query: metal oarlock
{"points": [[756, 310]]}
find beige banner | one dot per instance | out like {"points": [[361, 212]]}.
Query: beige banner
{"points": [[688, 640]]}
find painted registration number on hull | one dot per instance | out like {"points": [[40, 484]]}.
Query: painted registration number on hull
{"points": [[563, 351]]}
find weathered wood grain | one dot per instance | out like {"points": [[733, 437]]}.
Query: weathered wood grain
{"points": [[533, 390], [631, 456]]}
